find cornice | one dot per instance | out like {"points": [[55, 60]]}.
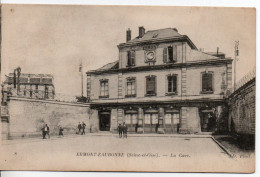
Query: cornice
{"points": [[212, 62]]}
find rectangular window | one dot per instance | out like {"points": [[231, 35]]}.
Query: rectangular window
{"points": [[207, 83], [154, 119], [168, 119], [130, 87], [147, 118], [150, 85], [130, 58], [104, 89], [170, 54], [172, 84]]}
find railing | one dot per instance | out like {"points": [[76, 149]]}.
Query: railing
{"points": [[28, 93], [43, 95], [249, 76]]}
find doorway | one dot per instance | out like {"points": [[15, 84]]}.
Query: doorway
{"points": [[207, 121], [131, 120], [104, 121]]}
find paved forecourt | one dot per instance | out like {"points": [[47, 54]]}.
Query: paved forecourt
{"points": [[111, 153]]}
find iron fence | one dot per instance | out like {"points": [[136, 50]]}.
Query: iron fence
{"points": [[248, 77]]}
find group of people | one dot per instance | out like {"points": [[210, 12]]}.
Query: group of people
{"points": [[122, 130], [46, 131], [81, 128]]}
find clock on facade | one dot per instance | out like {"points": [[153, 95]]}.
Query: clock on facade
{"points": [[150, 55]]}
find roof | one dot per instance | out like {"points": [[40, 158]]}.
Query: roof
{"points": [[160, 33], [113, 65], [158, 36]]}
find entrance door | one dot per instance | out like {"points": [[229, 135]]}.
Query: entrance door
{"points": [[104, 121], [208, 122], [150, 122], [131, 121], [172, 121]]}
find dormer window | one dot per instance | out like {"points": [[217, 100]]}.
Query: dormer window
{"points": [[131, 58], [170, 54]]}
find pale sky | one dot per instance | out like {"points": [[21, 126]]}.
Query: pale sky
{"points": [[53, 39]]}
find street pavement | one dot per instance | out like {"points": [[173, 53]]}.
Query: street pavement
{"points": [[111, 153]]}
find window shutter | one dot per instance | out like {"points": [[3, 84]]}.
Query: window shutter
{"points": [[170, 53], [174, 80], [175, 53], [128, 58], [165, 55]]}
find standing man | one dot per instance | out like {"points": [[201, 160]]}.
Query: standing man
{"points": [[79, 128], [61, 131], [45, 131], [125, 130], [83, 128], [120, 130]]}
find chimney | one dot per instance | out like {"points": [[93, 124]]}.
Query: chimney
{"points": [[141, 31], [128, 35]]}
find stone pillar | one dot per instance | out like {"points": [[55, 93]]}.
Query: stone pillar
{"points": [[190, 120], [94, 121], [193, 120], [141, 117], [120, 116], [161, 130], [183, 81], [120, 85], [88, 86], [229, 76], [113, 120], [183, 119]]}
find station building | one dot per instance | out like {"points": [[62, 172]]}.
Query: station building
{"points": [[161, 83]]}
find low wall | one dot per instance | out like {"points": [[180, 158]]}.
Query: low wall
{"points": [[28, 116]]}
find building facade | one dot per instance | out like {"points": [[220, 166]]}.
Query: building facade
{"points": [[38, 86], [161, 83]]}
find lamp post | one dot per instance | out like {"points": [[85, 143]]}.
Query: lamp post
{"points": [[80, 70], [236, 51]]}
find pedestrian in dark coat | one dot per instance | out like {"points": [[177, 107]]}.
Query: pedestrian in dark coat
{"points": [[79, 128], [120, 130], [124, 130], [83, 128], [61, 131], [48, 131], [45, 131]]}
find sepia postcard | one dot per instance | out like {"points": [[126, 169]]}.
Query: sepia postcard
{"points": [[128, 88]]}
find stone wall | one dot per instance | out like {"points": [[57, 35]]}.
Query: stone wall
{"points": [[242, 109], [28, 116]]}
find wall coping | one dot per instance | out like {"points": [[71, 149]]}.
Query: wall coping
{"points": [[49, 101]]}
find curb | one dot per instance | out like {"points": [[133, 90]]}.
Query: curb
{"points": [[222, 147]]}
